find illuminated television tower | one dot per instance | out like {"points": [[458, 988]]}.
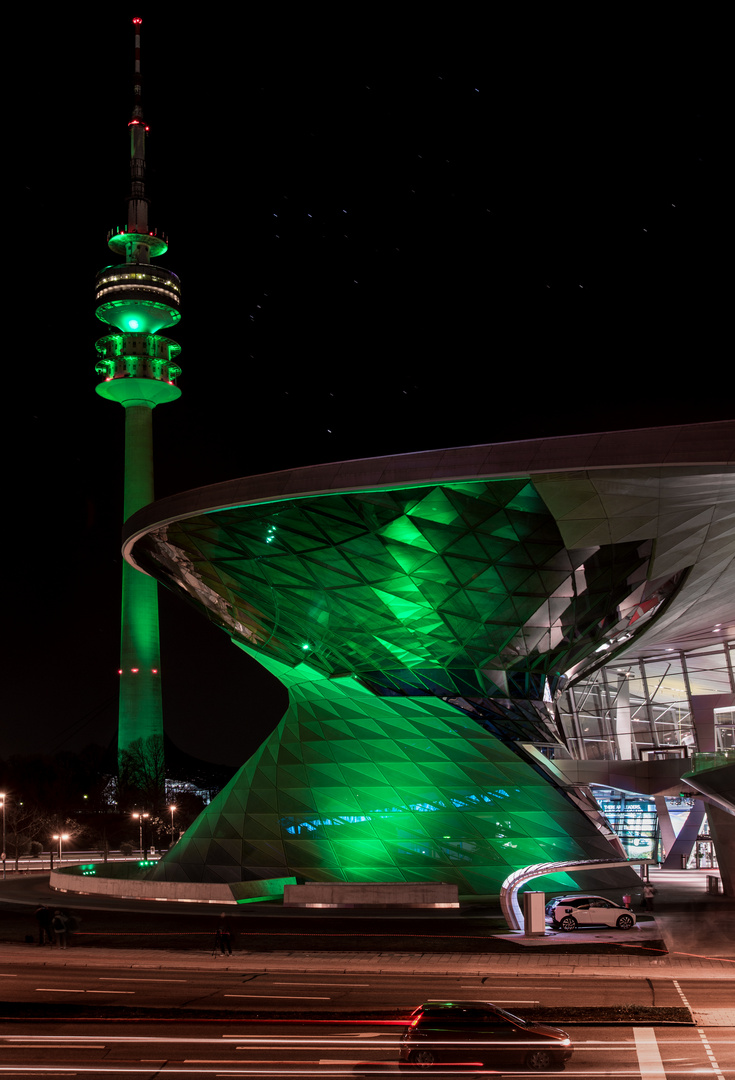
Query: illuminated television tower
{"points": [[138, 299]]}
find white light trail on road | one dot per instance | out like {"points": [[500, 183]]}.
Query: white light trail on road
{"points": [[59, 1046], [66, 990], [305, 1040]]}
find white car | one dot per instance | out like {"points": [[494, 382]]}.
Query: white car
{"points": [[569, 912]]}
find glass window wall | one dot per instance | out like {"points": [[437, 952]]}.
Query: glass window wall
{"points": [[641, 709]]}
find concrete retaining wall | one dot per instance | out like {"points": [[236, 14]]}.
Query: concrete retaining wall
{"points": [[124, 883], [345, 894], [132, 889]]}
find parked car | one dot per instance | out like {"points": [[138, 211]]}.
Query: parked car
{"points": [[478, 1032], [580, 909]]}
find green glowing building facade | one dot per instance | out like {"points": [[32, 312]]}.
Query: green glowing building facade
{"points": [[137, 299], [425, 612]]}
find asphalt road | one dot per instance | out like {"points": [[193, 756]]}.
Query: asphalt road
{"points": [[226, 988], [305, 1046], [247, 1048]]}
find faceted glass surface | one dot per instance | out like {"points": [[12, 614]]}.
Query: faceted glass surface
{"points": [[351, 787], [420, 631]]}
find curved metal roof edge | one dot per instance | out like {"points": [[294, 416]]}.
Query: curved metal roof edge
{"points": [[681, 445]]}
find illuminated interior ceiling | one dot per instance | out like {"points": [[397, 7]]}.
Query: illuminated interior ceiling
{"points": [[475, 581]]}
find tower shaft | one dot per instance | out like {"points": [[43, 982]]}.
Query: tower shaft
{"points": [[138, 485], [140, 708]]}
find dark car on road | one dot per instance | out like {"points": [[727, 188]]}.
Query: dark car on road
{"points": [[479, 1033]]}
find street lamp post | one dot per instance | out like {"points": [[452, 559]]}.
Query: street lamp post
{"points": [[60, 837], [140, 825], [172, 808], [2, 796]]}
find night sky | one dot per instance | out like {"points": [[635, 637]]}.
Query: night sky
{"points": [[388, 241]]}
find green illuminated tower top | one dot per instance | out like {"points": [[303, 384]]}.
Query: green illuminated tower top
{"points": [[137, 299]]}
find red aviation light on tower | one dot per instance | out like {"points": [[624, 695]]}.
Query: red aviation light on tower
{"points": [[137, 22]]}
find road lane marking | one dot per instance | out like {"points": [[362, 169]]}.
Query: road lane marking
{"points": [[708, 1051], [336, 986], [281, 997], [681, 994], [649, 1058], [112, 978]]}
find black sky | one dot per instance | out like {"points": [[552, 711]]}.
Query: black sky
{"points": [[388, 240]]}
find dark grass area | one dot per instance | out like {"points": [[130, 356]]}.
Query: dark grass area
{"points": [[564, 1015]]}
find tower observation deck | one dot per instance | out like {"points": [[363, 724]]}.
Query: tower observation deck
{"points": [[137, 299]]}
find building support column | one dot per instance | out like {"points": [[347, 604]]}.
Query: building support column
{"points": [[681, 845], [622, 724], [722, 830]]}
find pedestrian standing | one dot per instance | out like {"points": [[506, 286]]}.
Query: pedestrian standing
{"points": [[43, 918], [648, 894], [224, 936], [60, 927]]}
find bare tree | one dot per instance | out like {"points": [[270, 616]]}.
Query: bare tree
{"points": [[24, 823], [142, 771]]}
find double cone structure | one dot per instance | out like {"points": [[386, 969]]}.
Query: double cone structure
{"points": [[423, 623]]}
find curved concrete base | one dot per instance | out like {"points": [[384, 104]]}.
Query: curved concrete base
{"points": [[75, 879]]}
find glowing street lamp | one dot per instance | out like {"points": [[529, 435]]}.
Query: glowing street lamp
{"points": [[172, 808], [140, 825], [60, 837]]}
